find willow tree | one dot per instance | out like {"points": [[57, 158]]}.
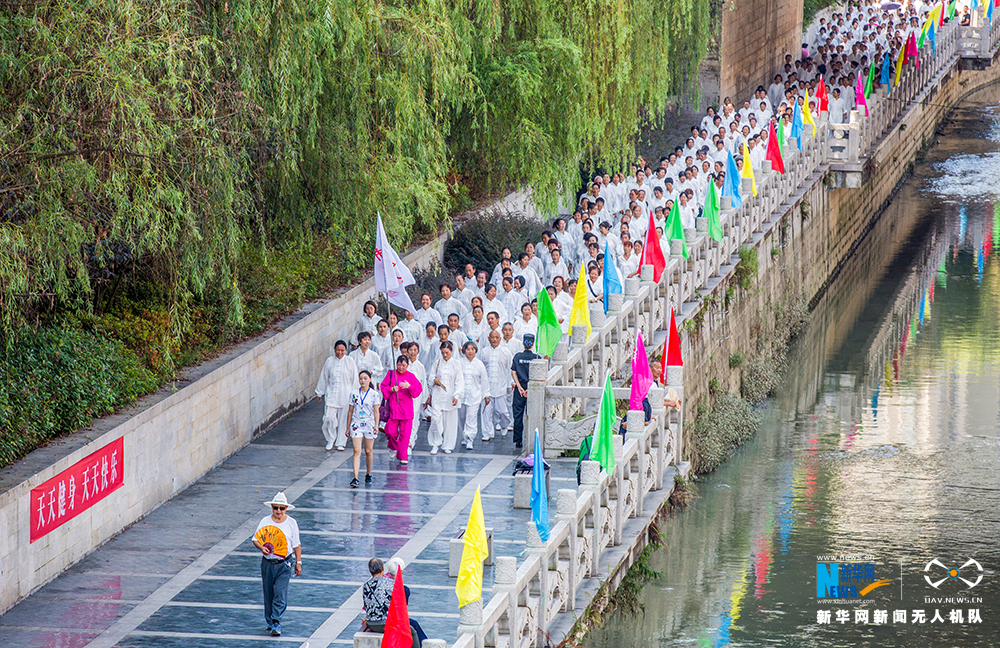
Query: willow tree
{"points": [[123, 145], [161, 139]]}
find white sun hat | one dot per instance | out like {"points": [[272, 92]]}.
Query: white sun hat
{"points": [[280, 500]]}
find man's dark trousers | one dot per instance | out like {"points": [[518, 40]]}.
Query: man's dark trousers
{"points": [[520, 403]]}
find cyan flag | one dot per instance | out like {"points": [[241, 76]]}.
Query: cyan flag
{"points": [[612, 281], [731, 183], [539, 494], [797, 125], [886, 71]]}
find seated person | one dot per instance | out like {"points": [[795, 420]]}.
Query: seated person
{"points": [[375, 597]]}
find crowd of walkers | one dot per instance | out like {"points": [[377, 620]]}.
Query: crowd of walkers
{"points": [[460, 362]]}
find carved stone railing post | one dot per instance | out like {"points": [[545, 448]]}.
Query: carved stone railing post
{"points": [[538, 371]]}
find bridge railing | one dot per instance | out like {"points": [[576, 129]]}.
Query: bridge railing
{"points": [[851, 142]]}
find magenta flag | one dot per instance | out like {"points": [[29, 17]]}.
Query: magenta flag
{"points": [[859, 94], [642, 376]]}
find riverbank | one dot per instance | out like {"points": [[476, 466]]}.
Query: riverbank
{"points": [[881, 439]]}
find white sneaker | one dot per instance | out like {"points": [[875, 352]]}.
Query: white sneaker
{"points": [[468, 444], [329, 446], [434, 450], [447, 451], [340, 448]]}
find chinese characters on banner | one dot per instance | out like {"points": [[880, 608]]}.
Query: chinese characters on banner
{"points": [[76, 489]]}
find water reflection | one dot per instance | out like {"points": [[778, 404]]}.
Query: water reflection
{"points": [[883, 442]]}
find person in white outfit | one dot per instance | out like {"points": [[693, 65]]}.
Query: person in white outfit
{"points": [[369, 320], [447, 394], [477, 384], [365, 357], [497, 359], [338, 380]]}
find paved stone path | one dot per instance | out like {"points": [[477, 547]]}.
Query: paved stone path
{"points": [[188, 575]]}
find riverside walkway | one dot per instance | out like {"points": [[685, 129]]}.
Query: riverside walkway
{"points": [[187, 574]]}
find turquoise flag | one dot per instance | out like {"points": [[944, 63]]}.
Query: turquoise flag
{"points": [[539, 494], [612, 281]]}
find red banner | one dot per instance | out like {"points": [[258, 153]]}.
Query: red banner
{"points": [[76, 489]]}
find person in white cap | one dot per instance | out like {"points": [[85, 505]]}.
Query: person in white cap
{"points": [[277, 538]]}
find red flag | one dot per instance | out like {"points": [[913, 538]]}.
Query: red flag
{"points": [[941, 16], [397, 622], [663, 357], [673, 346], [651, 252], [823, 96], [773, 150]]}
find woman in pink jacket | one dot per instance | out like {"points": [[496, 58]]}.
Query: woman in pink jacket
{"points": [[400, 388]]}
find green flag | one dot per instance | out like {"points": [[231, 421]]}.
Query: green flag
{"points": [[603, 451], [712, 212], [951, 9], [549, 331], [781, 138], [870, 80], [675, 230]]}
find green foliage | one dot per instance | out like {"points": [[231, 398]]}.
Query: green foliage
{"points": [[731, 422], [746, 269], [233, 155], [481, 239], [735, 360], [57, 380], [811, 7]]}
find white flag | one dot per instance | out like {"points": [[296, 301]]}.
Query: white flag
{"points": [[391, 274]]}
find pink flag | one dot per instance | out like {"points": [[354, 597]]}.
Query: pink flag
{"points": [[642, 376], [911, 50], [859, 94]]}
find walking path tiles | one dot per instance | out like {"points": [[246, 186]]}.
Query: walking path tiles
{"points": [[188, 575]]}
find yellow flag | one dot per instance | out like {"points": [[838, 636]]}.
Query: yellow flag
{"points": [[581, 309], [807, 116], [469, 587], [899, 64], [748, 168]]}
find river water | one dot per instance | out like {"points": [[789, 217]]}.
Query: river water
{"points": [[879, 454]]}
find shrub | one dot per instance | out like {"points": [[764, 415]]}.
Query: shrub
{"points": [[57, 380], [481, 240], [731, 423]]}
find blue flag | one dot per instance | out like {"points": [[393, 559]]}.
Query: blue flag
{"points": [[731, 183], [886, 71], [931, 34], [797, 125], [539, 494], [989, 11], [612, 282]]}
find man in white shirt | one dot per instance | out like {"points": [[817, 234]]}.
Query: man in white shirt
{"points": [[526, 323], [493, 305], [411, 328], [492, 324], [449, 304], [447, 391], [463, 294], [429, 346], [496, 412], [532, 282], [426, 315], [456, 334], [367, 358], [555, 269], [337, 381], [277, 538]]}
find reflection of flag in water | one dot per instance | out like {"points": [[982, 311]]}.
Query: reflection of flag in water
{"points": [[980, 264], [922, 302], [875, 405]]}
